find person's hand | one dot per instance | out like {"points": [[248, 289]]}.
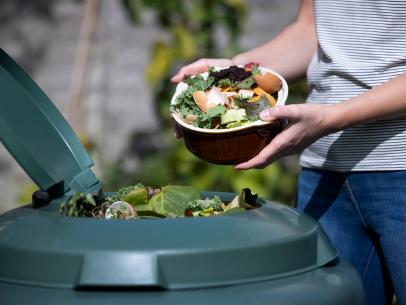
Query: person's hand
{"points": [[200, 66], [307, 123]]}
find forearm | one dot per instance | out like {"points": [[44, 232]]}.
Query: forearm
{"points": [[290, 52], [309, 122], [385, 101]]}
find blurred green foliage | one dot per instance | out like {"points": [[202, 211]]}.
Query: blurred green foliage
{"points": [[192, 28], [24, 195]]}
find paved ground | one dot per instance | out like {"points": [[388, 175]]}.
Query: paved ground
{"points": [[117, 99]]}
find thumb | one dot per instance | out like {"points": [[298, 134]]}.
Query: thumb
{"points": [[279, 112]]}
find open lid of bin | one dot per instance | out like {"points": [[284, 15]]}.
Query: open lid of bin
{"points": [[37, 135]]}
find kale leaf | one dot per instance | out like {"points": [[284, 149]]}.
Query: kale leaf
{"points": [[224, 83], [192, 80], [246, 83], [121, 193], [203, 204]]}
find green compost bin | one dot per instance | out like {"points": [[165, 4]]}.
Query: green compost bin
{"points": [[271, 255]]}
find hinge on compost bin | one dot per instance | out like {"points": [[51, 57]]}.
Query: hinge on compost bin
{"points": [[44, 197], [86, 182]]}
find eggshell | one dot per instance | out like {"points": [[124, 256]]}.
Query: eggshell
{"points": [[260, 92], [190, 118], [202, 101], [118, 206], [216, 97], [268, 82]]}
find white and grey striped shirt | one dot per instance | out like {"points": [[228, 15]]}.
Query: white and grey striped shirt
{"points": [[362, 43]]}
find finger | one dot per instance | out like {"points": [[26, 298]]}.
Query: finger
{"points": [[200, 66], [272, 152], [290, 112], [263, 159], [196, 67], [257, 162], [188, 70]]}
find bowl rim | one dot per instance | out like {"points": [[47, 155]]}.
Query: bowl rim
{"points": [[282, 97]]}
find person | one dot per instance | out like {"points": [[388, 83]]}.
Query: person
{"points": [[351, 132]]}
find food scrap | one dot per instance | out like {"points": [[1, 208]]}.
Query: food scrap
{"points": [[226, 98], [139, 201]]}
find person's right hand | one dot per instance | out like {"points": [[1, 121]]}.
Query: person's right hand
{"points": [[200, 66]]}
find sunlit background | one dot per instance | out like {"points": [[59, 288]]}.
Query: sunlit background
{"points": [[106, 65]]}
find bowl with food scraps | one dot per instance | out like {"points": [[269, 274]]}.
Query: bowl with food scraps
{"points": [[217, 112]]}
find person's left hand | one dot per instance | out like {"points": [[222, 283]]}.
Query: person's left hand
{"points": [[307, 123]]}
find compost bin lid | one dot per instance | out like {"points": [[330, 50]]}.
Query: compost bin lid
{"points": [[43, 248], [37, 135]]}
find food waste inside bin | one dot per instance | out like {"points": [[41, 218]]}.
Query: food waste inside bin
{"points": [[269, 255]]}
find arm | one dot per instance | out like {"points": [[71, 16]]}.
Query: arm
{"points": [[289, 53], [309, 122], [386, 101]]}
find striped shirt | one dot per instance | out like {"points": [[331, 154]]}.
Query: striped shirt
{"points": [[362, 43]]}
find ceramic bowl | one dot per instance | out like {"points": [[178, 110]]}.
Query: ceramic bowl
{"points": [[233, 145]]}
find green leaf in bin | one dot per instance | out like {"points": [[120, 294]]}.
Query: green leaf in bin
{"points": [[244, 200], [90, 199], [137, 197], [173, 200], [207, 212], [156, 202], [121, 193], [233, 211], [149, 214]]}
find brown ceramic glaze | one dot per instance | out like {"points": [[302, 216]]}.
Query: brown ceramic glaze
{"points": [[230, 148]]}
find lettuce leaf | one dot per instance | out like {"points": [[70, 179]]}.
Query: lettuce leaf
{"points": [[173, 200], [216, 111], [253, 109]]}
